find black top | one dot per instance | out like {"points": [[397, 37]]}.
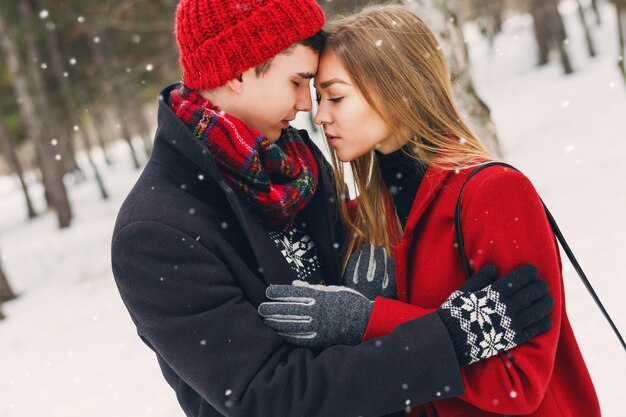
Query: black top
{"points": [[403, 176]]}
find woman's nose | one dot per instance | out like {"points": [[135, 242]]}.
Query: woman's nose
{"points": [[321, 118]]}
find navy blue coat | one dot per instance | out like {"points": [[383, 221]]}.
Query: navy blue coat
{"points": [[192, 264]]}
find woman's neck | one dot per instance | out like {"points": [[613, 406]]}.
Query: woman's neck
{"points": [[402, 175]]}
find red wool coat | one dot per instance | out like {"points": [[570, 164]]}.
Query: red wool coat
{"points": [[503, 224]]}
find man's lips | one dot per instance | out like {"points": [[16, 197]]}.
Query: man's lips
{"points": [[331, 138], [285, 122]]}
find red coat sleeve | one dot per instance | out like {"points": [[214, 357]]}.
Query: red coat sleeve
{"points": [[388, 314], [504, 223]]}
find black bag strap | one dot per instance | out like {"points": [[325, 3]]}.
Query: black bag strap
{"points": [[555, 229]]}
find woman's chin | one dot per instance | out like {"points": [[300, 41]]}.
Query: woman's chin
{"points": [[345, 157]]}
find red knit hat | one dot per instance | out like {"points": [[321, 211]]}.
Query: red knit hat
{"points": [[220, 39]]}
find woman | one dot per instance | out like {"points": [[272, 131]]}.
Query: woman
{"points": [[386, 106]]}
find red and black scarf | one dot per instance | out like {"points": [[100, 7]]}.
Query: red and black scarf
{"points": [[276, 180]]}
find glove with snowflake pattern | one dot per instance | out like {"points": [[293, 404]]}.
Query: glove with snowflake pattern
{"points": [[486, 317]]}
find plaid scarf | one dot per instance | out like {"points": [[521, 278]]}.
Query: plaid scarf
{"points": [[276, 180]]}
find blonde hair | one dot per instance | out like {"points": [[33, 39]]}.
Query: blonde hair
{"points": [[394, 60]]}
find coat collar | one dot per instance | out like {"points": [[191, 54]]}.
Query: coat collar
{"points": [[174, 139]]}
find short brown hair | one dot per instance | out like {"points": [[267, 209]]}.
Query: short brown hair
{"points": [[315, 42]]}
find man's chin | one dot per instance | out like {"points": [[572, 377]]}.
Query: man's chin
{"points": [[274, 135]]}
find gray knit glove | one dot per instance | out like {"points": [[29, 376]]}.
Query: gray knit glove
{"points": [[486, 317], [372, 273], [316, 316]]}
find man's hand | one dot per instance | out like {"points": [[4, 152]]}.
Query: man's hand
{"points": [[316, 316]]}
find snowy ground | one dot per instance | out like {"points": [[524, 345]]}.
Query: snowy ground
{"points": [[68, 348]]}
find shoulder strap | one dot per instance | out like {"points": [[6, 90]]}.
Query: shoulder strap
{"points": [[555, 229]]}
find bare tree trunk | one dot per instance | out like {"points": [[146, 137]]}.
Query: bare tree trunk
{"points": [[583, 21], [52, 175], [57, 191], [620, 9], [70, 164], [542, 34], [143, 128], [66, 148], [103, 133], [134, 107], [497, 10], [442, 18], [596, 11], [6, 292], [565, 61], [550, 32], [70, 102], [118, 102], [10, 155], [490, 12], [4, 286]]}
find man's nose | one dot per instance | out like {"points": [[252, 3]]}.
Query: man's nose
{"points": [[304, 102]]}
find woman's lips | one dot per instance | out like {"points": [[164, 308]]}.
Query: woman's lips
{"points": [[332, 139], [285, 123]]}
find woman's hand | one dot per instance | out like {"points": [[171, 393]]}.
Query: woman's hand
{"points": [[372, 273], [486, 317]]}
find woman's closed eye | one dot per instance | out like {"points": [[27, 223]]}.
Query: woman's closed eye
{"points": [[318, 98]]}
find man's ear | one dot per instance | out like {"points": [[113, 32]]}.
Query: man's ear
{"points": [[238, 84], [234, 86]]}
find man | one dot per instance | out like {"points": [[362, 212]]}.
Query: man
{"points": [[230, 190]]}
